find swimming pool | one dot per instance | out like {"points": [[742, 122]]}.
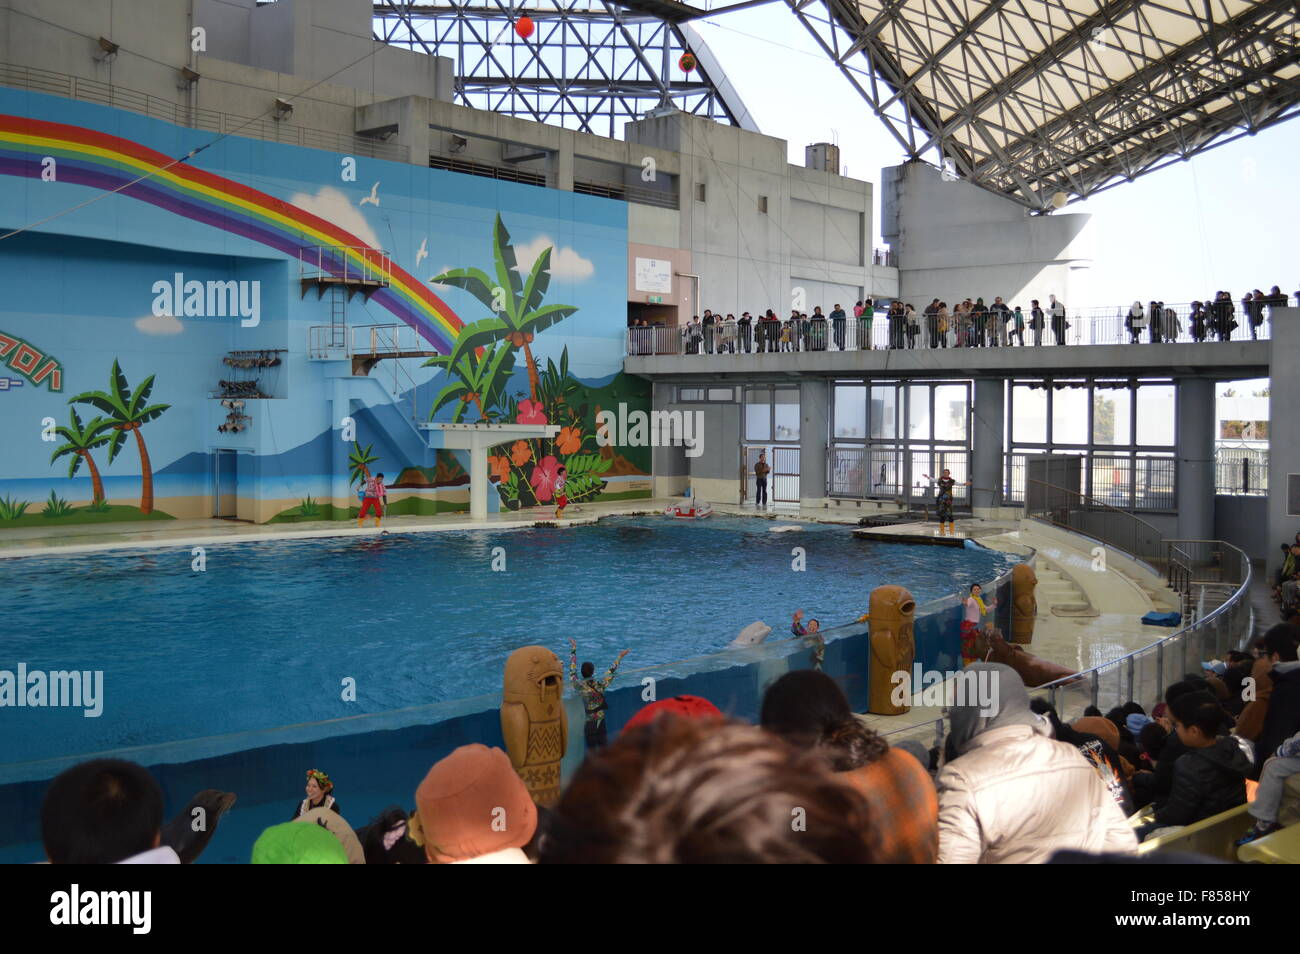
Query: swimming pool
{"points": [[270, 634]]}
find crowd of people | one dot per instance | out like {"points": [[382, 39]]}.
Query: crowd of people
{"points": [[967, 324], [810, 783]]}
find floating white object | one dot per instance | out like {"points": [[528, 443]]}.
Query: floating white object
{"points": [[751, 635], [690, 510], [784, 528]]}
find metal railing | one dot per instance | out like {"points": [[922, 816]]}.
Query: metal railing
{"points": [[1222, 620], [1077, 512], [210, 120], [1087, 326], [894, 472], [344, 264], [1241, 471], [1147, 481]]}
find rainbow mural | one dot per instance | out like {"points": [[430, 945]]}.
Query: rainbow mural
{"points": [[100, 161]]}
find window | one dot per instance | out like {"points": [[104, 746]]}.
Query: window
{"points": [[699, 192], [1112, 408], [918, 412], [762, 204], [758, 414], [1029, 415], [1070, 415], [1155, 415], [722, 394], [787, 414], [950, 412], [690, 394], [884, 411], [850, 411]]}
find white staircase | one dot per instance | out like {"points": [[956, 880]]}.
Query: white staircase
{"points": [[1059, 594]]}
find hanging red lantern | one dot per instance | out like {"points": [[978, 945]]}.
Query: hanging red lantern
{"points": [[524, 27], [687, 62]]}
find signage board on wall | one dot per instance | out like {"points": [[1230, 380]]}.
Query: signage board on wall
{"points": [[654, 275]]}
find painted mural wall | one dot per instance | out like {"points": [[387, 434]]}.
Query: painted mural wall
{"points": [[157, 351]]}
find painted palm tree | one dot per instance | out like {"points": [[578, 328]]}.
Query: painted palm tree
{"points": [[516, 303], [359, 461], [127, 412], [81, 440], [478, 378]]}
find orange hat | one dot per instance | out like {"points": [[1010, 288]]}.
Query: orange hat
{"points": [[471, 804], [1103, 729], [689, 707]]}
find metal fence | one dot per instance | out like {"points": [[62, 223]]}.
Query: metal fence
{"points": [[209, 120], [1241, 470], [1214, 583], [894, 472], [1067, 507], [1133, 482], [1087, 326]]}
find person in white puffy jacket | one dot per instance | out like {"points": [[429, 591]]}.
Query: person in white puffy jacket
{"points": [[1009, 792]]}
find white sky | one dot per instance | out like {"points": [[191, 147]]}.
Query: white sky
{"points": [[1222, 220]]}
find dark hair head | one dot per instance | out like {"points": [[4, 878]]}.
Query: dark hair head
{"points": [[1282, 639], [101, 812], [1092, 712], [1151, 739], [1202, 711], [1185, 685], [587, 670], [378, 475], [808, 709], [384, 841], [690, 791]]}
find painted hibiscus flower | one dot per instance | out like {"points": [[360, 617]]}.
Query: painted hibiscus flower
{"points": [[543, 478], [520, 453], [499, 467], [568, 440], [531, 412]]}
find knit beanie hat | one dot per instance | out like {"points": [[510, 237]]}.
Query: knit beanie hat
{"points": [[296, 844], [689, 707], [472, 803], [1103, 729]]}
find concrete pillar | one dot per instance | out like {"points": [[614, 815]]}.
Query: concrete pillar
{"points": [[413, 130], [559, 166], [478, 480], [1283, 429], [987, 452], [340, 407], [1195, 442], [814, 409]]}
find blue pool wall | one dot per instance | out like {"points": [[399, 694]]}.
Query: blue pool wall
{"points": [[375, 768]]}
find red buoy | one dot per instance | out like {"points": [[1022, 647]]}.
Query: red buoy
{"points": [[524, 27], [687, 62]]}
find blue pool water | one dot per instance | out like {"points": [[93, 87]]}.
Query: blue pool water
{"points": [[267, 634]]}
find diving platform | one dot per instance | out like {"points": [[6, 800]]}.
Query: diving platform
{"points": [[351, 269], [477, 439]]}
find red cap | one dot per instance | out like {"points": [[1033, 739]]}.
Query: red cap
{"points": [[689, 707]]}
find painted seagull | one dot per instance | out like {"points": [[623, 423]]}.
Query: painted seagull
{"points": [[373, 198], [423, 253]]}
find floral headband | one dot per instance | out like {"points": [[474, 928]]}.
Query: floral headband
{"points": [[321, 778]]}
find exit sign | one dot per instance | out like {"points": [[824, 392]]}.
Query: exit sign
{"points": [[655, 299]]}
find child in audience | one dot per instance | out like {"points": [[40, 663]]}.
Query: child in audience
{"points": [[1210, 777]]}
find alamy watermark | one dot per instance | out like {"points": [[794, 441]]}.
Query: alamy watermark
{"points": [[212, 299], [624, 428], [938, 688], [77, 689]]}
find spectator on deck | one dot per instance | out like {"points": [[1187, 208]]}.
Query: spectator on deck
{"points": [[1056, 310], [1136, 321], [809, 710], [1036, 321], [745, 329], [1197, 319], [838, 321], [1155, 316], [1011, 794], [103, 812], [911, 325]]}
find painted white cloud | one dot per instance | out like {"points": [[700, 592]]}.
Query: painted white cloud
{"points": [[159, 325], [565, 262], [333, 206]]}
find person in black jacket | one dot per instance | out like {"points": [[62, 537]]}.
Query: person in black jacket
{"points": [[1210, 777], [1173, 748], [1283, 718]]}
